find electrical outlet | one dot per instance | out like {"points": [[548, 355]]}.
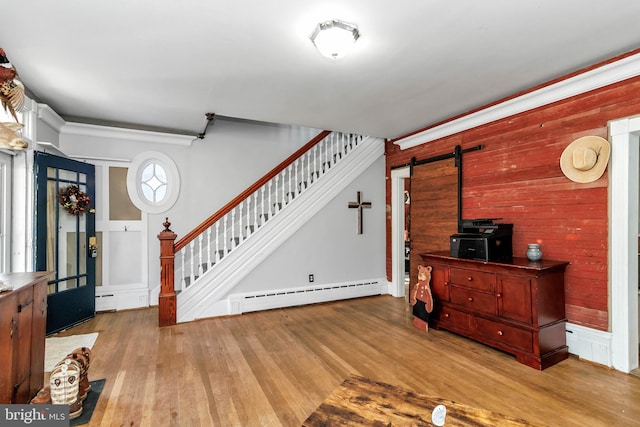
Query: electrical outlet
{"points": [[311, 278]]}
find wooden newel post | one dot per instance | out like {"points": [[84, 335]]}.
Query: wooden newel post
{"points": [[167, 298]]}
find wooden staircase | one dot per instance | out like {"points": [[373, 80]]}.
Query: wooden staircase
{"points": [[208, 262]]}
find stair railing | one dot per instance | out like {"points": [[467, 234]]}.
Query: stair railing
{"points": [[216, 237]]}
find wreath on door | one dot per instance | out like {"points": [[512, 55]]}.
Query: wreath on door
{"points": [[73, 200]]}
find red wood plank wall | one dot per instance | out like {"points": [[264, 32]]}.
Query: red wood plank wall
{"points": [[517, 177]]}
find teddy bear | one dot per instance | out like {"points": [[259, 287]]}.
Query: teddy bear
{"points": [[421, 299]]}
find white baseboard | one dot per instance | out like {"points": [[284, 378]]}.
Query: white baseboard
{"points": [[154, 295], [589, 344], [106, 302], [122, 299], [266, 300]]}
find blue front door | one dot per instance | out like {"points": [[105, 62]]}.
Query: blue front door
{"points": [[65, 238]]}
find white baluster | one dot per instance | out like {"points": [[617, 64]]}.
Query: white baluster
{"points": [[200, 271], [224, 235], [183, 284], [217, 241], [334, 151], [284, 188], [276, 193], [208, 248], [262, 217], [240, 206], [245, 216], [322, 156], [270, 208], [297, 188], [233, 228], [289, 180], [326, 150], [283, 199], [304, 173], [315, 162], [250, 230], [327, 153], [309, 171], [255, 211], [192, 276]]}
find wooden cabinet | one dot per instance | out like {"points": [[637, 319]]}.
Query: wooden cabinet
{"points": [[516, 307], [23, 313]]}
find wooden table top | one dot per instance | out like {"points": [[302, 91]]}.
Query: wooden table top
{"points": [[362, 402], [10, 282]]}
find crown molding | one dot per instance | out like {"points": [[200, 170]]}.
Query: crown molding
{"points": [[71, 128], [50, 117], [607, 74]]}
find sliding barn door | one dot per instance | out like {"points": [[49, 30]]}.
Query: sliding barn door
{"points": [[434, 209]]}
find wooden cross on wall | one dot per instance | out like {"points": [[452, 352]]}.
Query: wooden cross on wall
{"points": [[359, 204]]}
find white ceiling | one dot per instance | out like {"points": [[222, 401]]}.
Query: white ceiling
{"points": [[160, 64]]}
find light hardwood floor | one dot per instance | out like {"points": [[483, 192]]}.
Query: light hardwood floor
{"points": [[274, 368]]}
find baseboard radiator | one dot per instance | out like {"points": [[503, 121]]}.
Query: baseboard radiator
{"points": [[267, 300]]}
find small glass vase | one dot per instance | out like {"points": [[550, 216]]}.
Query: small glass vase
{"points": [[534, 253]]}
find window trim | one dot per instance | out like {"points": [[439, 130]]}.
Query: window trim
{"points": [[134, 183]]}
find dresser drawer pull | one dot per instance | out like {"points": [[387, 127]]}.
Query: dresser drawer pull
{"points": [[470, 298], [470, 278], [499, 295], [447, 315], [500, 333]]}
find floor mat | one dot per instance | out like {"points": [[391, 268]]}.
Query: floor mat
{"points": [[89, 403]]}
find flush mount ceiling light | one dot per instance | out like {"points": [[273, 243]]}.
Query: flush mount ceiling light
{"points": [[334, 38]]}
